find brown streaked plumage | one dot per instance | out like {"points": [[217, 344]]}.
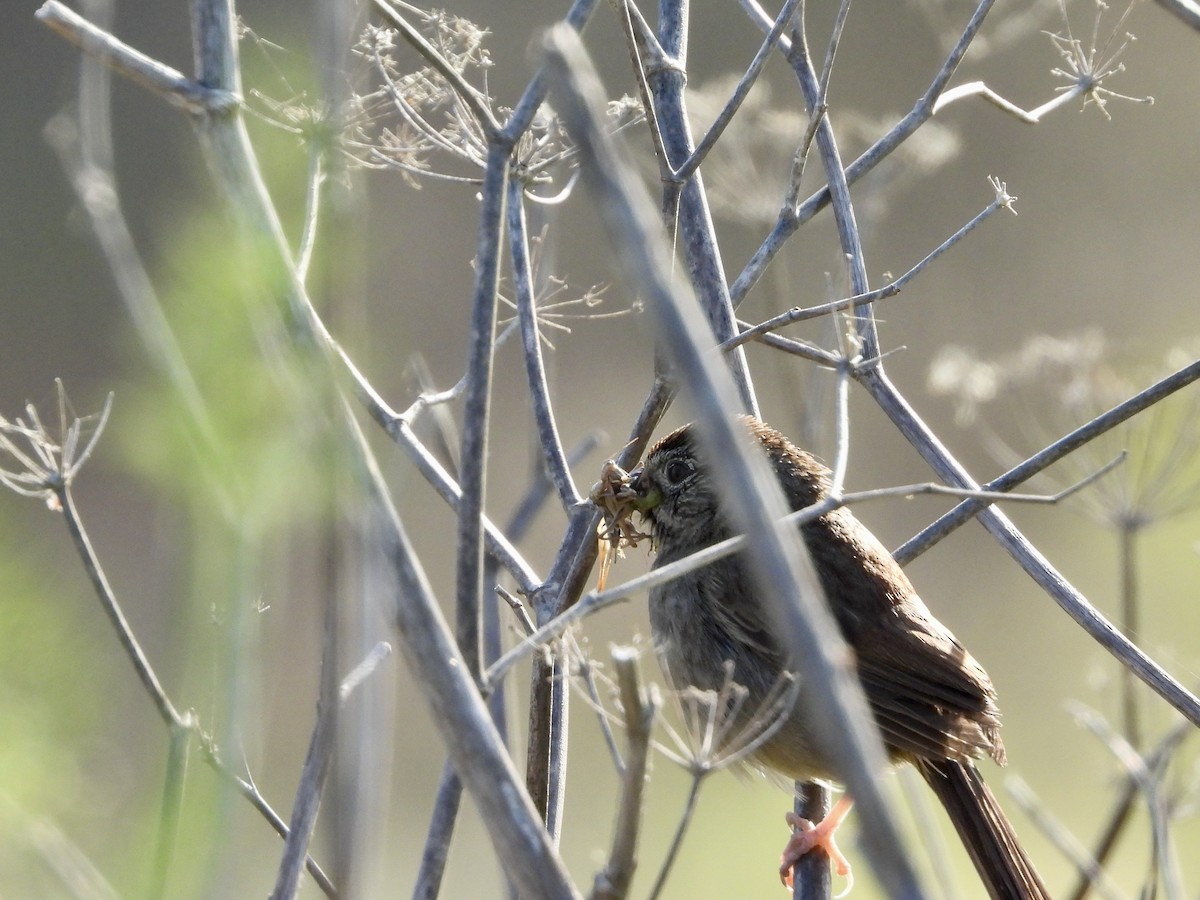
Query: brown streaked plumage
{"points": [[934, 704]]}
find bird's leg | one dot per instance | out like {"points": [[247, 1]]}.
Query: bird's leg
{"points": [[808, 836]]}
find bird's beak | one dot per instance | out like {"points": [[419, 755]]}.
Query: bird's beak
{"points": [[647, 496]]}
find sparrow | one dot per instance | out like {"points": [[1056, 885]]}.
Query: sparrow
{"points": [[933, 703]]}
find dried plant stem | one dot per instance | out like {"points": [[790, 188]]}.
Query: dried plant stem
{"points": [[1144, 399], [791, 217], [172, 807], [685, 819], [1061, 837], [801, 314], [749, 77], [1127, 533], [1123, 807], [686, 206], [314, 772], [1187, 11], [476, 411], [640, 710], [437, 841], [811, 876], [173, 86], [108, 600], [471, 739], [551, 445]]}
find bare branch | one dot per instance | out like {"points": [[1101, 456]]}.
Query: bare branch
{"points": [[314, 772], [552, 450], [463, 719], [792, 217], [168, 83], [918, 544], [640, 708], [799, 314], [749, 77]]}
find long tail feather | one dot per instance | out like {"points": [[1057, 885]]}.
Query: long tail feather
{"points": [[1002, 863]]}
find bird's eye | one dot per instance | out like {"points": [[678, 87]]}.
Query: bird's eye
{"points": [[678, 469]]}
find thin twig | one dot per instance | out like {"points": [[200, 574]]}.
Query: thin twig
{"points": [[645, 53], [1147, 773], [84, 147], [791, 218], [747, 81], [1024, 553], [640, 709], [518, 609], [437, 840], [170, 84], [172, 807], [917, 795], [474, 746], [1187, 11], [1124, 805], [116, 617], [497, 543], [535, 92], [686, 207], [685, 819], [811, 876], [835, 41], [800, 314], [839, 186], [312, 209], [1106, 421], [841, 430], [1030, 117], [555, 457], [315, 769], [360, 673], [473, 451], [586, 672], [1062, 838], [176, 723]]}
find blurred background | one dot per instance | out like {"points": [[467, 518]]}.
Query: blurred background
{"points": [[217, 559]]}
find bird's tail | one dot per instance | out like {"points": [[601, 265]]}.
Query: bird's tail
{"points": [[1002, 863]]}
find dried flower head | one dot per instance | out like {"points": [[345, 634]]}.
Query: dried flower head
{"points": [[45, 465], [1087, 66], [1050, 386]]}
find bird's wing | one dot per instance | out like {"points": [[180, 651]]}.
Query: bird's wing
{"points": [[930, 697]]}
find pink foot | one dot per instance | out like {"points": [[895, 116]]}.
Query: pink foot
{"points": [[808, 836]]}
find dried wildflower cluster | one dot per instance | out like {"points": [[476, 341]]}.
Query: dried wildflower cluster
{"points": [[407, 118], [1051, 385], [43, 466], [1088, 65]]}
